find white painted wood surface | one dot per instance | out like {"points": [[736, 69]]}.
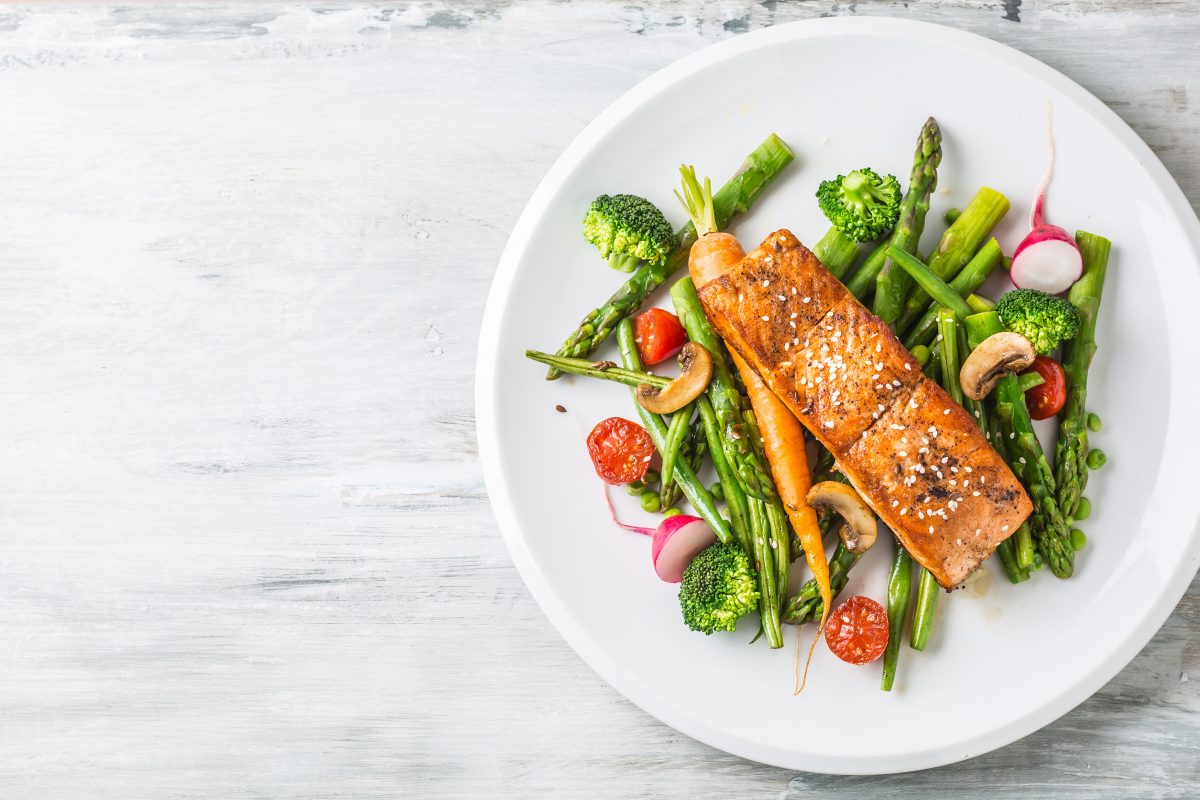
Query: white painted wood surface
{"points": [[246, 550]]}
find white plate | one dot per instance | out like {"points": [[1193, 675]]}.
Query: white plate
{"points": [[1004, 661]]}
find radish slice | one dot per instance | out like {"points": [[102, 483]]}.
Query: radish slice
{"points": [[1047, 259], [673, 550], [674, 543], [1049, 265]]}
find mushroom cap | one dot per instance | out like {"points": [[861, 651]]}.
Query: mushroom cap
{"points": [[998, 355], [696, 368], [860, 530]]}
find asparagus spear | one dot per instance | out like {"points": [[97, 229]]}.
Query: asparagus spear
{"points": [[893, 284], [1010, 549], [693, 489], [1070, 458], [1050, 532], [927, 587], [959, 243], [806, 606], [735, 197], [899, 593], [605, 370], [965, 282]]}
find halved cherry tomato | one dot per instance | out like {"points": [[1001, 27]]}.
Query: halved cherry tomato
{"points": [[658, 335], [621, 450], [857, 631], [1046, 400]]}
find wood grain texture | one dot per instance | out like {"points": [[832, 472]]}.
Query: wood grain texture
{"points": [[247, 551]]}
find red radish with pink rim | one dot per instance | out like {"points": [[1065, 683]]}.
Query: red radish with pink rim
{"points": [[674, 543], [1047, 259]]}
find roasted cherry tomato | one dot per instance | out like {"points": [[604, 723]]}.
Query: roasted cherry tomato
{"points": [[1047, 400], [621, 450], [658, 335], [857, 630]]}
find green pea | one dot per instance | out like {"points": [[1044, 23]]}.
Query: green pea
{"points": [[921, 354], [672, 512], [1096, 459], [952, 215], [1038, 561], [1078, 539], [1093, 422], [651, 477], [717, 491], [650, 501], [635, 488], [1084, 510]]}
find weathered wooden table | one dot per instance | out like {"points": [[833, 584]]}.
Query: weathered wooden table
{"points": [[246, 549]]}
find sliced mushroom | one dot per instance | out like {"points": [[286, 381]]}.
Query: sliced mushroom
{"points": [[696, 368], [858, 534], [998, 355]]}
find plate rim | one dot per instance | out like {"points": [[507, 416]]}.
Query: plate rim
{"points": [[614, 673]]}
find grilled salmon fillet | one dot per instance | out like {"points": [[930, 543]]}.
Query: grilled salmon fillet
{"points": [[916, 456]]}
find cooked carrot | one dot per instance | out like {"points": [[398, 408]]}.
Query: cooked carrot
{"points": [[712, 256], [783, 441]]}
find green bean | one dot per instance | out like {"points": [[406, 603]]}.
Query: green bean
{"points": [[1029, 380], [899, 594], [925, 611], [716, 491]]}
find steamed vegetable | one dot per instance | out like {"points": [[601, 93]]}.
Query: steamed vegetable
{"points": [[958, 246], [719, 587], [1048, 258], [1070, 459], [735, 197], [862, 205], [899, 593], [627, 230], [893, 284], [1050, 532], [1041, 318]]}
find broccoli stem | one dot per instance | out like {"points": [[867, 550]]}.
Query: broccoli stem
{"points": [[700, 498], [1070, 458], [959, 244], [972, 276], [757, 172], [892, 285], [1047, 525], [837, 252]]}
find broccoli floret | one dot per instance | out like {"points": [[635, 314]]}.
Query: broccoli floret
{"points": [[719, 587], [861, 205], [1043, 319], [628, 229]]}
